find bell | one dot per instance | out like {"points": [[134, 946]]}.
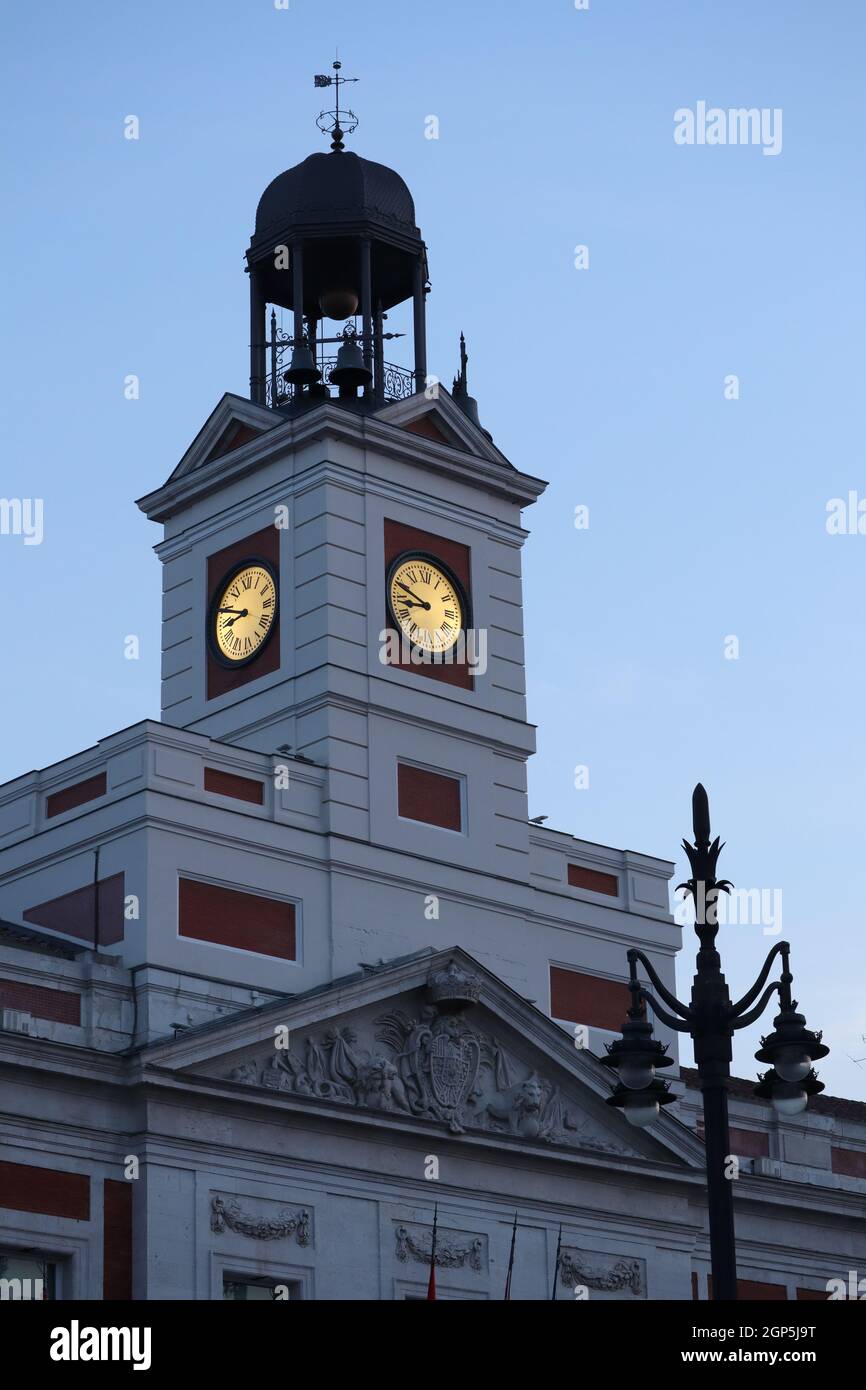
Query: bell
{"points": [[351, 370], [302, 369]]}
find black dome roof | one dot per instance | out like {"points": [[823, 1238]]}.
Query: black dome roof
{"points": [[335, 187]]}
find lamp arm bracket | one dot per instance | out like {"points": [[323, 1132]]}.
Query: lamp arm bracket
{"points": [[670, 999], [752, 994], [744, 1020], [679, 1025]]}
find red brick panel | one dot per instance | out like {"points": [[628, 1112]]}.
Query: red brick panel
{"points": [[428, 796], [749, 1143], [593, 880], [812, 1295], [398, 538], [75, 913], [849, 1163], [229, 784], [755, 1290], [427, 428], [233, 436], [75, 795], [695, 1289], [228, 917], [46, 1190], [57, 1004], [117, 1240], [589, 999]]}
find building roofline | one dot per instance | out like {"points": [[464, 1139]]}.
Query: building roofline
{"points": [[743, 1089]]}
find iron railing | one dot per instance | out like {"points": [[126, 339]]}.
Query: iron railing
{"points": [[396, 382]]}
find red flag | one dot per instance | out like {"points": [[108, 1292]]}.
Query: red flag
{"points": [[431, 1284]]}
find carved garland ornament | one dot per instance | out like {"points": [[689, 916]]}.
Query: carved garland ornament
{"points": [[229, 1214], [448, 1254], [610, 1278]]}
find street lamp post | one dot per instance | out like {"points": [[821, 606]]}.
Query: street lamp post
{"points": [[711, 1019]]}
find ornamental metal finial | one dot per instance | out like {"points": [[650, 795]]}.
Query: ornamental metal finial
{"points": [[703, 856], [701, 814], [461, 383], [335, 123]]}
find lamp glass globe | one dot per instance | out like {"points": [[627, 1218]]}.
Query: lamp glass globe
{"points": [[636, 1073], [793, 1064], [641, 1110], [791, 1101]]}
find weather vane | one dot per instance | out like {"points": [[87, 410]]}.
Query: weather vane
{"points": [[335, 123]]}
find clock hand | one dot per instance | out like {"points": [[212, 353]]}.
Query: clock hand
{"points": [[239, 611], [244, 613], [412, 594]]}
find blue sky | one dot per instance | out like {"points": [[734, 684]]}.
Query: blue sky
{"points": [[707, 515]]}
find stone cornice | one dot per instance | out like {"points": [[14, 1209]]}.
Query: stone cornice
{"points": [[331, 422], [504, 1146]]}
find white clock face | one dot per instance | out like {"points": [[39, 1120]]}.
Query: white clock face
{"points": [[243, 616], [425, 603]]}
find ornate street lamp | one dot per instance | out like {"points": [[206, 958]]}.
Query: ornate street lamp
{"points": [[711, 1019], [636, 1057]]}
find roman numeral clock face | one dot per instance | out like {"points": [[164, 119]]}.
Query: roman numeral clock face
{"points": [[426, 603], [243, 613]]}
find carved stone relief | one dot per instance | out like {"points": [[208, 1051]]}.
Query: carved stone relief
{"points": [[431, 1063], [454, 1249], [607, 1273], [228, 1214]]}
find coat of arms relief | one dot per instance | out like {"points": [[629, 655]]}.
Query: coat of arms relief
{"points": [[432, 1063]]}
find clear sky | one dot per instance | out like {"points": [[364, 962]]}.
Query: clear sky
{"points": [[707, 515]]}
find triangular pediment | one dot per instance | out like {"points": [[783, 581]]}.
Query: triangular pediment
{"points": [[433, 1041], [233, 423], [441, 420]]}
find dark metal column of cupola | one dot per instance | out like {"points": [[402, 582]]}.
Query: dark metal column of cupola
{"points": [[336, 245], [420, 324], [257, 342]]}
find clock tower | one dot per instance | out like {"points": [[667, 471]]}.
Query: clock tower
{"points": [[339, 772], [332, 805], [341, 552], [297, 936]]}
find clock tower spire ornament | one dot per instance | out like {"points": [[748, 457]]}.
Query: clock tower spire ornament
{"points": [[335, 239], [335, 123]]}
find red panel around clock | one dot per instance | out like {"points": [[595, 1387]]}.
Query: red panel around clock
{"points": [[263, 545], [399, 538]]}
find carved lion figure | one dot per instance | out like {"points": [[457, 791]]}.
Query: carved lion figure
{"points": [[380, 1087], [518, 1108]]}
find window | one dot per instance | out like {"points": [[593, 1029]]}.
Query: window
{"points": [[27, 1275], [429, 797], [246, 1288]]}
